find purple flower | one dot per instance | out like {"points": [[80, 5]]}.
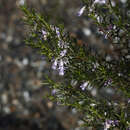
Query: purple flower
{"points": [[108, 82], [44, 33], [58, 64], [80, 12], [61, 64], [63, 53], [115, 123], [60, 61], [107, 125], [54, 65], [61, 67], [54, 91], [110, 27], [57, 31], [110, 123], [84, 85], [61, 72]]}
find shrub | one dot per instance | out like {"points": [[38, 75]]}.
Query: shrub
{"points": [[95, 76]]}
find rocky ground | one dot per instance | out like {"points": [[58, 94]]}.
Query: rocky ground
{"points": [[22, 102]]}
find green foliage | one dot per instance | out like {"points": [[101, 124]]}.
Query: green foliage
{"points": [[97, 87]]}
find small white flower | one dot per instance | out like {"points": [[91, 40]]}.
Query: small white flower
{"points": [[98, 19], [54, 65], [21, 2], [61, 44], [107, 125], [92, 104], [100, 1], [90, 9], [84, 85], [61, 71], [63, 53], [54, 91], [57, 31], [61, 64], [61, 67], [81, 11], [44, 33]]}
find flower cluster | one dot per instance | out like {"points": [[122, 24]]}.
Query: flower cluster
{"points": [[95, 66], [59, 62], [108, 82], [80, 12], [45, 33], [110, 123]]}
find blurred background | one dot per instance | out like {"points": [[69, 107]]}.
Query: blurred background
{"points": [[22, 102]]}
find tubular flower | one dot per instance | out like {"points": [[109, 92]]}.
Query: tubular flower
{"points": [[59, 65], [80, 12], [110, 123], [54, 65], [84, 85], [44, 33], [59, 62], [100, 1]]}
